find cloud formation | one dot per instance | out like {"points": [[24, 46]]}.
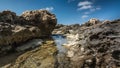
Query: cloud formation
{"points": [[48, 8], [84, 5], [88, 7], [84, 16]]}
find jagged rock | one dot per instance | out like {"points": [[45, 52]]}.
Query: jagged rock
{"points": [[58, 26], [97, 45], [106, 21], [41, 18], [65, 29], [7, 16], [15, 30], [94, 21], [91, 22]]}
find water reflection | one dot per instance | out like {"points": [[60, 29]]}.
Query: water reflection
{"points": [[60, 40]]}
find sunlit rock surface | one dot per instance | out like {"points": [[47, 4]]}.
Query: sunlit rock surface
{"points": [[94, 46], [15, 30], [40, 57]]}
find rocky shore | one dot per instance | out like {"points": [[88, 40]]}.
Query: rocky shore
{"points": [[15, 30], [40, 57], [94, 44], [26, 42]]}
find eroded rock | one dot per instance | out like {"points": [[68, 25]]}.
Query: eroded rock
{"points": [[15, 30], [95, 45], [40, 57]]}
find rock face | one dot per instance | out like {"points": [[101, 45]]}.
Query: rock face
{"points": [[8, 16], [95, 46], [42, 19], [40, 57], [91, 22], [64, 29], [15, 30]]}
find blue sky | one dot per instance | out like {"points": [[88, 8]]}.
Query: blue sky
{"points": [[68, 11]]}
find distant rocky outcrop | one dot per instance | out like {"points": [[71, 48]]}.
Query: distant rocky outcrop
{"points": [[14, 30], [91, 22], [64, 29]]}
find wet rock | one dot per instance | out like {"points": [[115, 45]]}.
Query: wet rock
{"points": [[40, 57]]}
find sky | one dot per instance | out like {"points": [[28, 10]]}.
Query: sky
{"points": [[68, 11]]}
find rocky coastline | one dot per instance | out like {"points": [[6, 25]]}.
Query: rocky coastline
{"points": [[94, 44], [26, 42]]}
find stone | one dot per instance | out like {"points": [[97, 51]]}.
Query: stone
{"points": [[42, 19], [15, 30], [94, 44], [94, 21], [40, 57]]}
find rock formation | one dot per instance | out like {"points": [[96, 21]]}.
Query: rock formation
{"points": [[42, 19], [40, 57], [94, 46], [14, 30]]}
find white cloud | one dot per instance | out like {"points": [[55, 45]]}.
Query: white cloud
{"points": [[48, 8], [85, 7], [84, 16], [88, 6], [84, 3], [94, 9]]}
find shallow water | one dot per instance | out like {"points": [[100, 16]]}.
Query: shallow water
{"points": [[59, 41], [62, 61], [60, 57]]}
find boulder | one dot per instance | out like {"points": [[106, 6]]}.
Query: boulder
{"points": [[94, 21], [91, 22], [15, 30], [42, 19]]}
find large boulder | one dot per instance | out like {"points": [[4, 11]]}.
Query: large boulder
{"points": [[14, 30], [41, 18]]}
